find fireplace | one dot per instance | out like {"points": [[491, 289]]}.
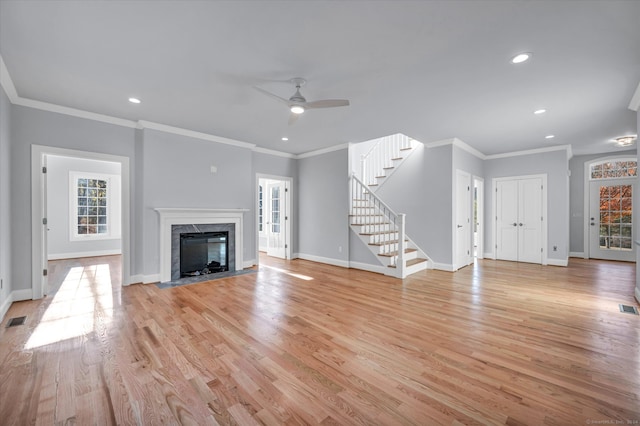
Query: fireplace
{"points": [[203, 253], [176, 221]]}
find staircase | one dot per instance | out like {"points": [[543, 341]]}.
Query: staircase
{"points": [[383, 232], [384, 158]]}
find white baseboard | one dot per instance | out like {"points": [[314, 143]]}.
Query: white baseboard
{"points": [[57, 256], [15, 296], [248, 263], [489, 256], [378, 269], [558, 262], [444, 267], [328, 261], [144, 279], [579, 254], [637, 293]]}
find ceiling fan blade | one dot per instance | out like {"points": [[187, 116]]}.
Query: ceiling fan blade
{"points": [[293, 118], [286, 101], [327, 103]]}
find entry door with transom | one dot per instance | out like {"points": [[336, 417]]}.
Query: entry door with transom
{"points": [[519, 220], [611, 232], [276, 241]]}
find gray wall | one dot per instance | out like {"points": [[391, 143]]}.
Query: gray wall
{"points": [[422, 189], [5, 200], [555, 165], [323, 208], [177, 173], [576, 189], [31, 126], [60, 244]]}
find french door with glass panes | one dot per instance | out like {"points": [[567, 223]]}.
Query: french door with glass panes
{"points": [[611, 231], [276, 241]]}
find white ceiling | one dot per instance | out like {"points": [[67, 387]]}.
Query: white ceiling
{"points": [[430, 69]]}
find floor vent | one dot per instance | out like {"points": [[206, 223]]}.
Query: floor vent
{"points": [[627, 309], [16, 321]]}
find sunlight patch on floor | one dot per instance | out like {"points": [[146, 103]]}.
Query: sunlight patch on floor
{"points": [[291, 274], [84, 293]]}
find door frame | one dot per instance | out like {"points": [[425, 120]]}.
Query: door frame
{"points": [[38, 209], [545, 213], [289, 199], [586, 244]]}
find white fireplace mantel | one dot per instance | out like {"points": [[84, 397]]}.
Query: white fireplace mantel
{"points": [[185, 216]]}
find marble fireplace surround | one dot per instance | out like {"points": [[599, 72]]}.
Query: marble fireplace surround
{"points": [[170, 217]]}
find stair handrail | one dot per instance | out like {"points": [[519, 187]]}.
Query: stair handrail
{"points": [[397, 221]]}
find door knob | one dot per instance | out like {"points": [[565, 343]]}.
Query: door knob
{"points": [[593, 224], [515, 224], [520, 224], [459, 226]]}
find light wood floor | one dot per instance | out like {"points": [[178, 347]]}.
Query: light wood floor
{"points": [[305, 343]]}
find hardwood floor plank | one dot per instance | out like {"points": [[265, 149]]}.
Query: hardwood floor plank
{"points": [[299, 342]]}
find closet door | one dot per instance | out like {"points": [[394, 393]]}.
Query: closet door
{"points": [[507, 220], [530, 220], [519, 220]]}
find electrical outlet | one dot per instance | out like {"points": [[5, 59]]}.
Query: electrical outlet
{"points": [[555, 248]]}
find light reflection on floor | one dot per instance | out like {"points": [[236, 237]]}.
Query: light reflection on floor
{"points": [[85, 292]]}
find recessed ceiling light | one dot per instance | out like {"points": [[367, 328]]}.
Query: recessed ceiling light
{"points": [[285, 138], [539, 111], [134, 100], [520, 58], [550, 136], [626, 140]]}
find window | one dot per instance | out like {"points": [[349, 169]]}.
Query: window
{"points": [[91, 210], [614, 169]]}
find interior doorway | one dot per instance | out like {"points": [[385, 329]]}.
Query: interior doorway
{"points": [[76, 220], [273, 218]]}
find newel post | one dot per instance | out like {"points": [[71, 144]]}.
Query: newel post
{"points": [[402, 245]]}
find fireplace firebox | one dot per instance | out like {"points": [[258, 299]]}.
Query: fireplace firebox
{"points": [[203, 253]]}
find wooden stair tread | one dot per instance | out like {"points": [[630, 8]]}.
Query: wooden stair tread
{"points": [[406, 149], [377, 233], [397, 158], [365, 215], [371, 223], [388, 168], [384, 243], [411, 262], [395, 253]]}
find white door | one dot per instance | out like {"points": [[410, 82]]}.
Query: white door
{"points": [[530, 220], [463, 219], [507, 220], [519, 220], [611, 232], [276, 241]]}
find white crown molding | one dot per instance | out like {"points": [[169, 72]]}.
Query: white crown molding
{"points": [[273, 152], [532, 151], [45, 106], [322, 151], [471, 150], [7, 83], [193, 134], [635, 100], [442, 142]]}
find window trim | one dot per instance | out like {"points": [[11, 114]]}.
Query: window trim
{"points": [[73, 207]]}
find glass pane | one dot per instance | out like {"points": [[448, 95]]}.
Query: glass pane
{"points": [[614, 169], [102, 229], [625, 244], [616, 215], [82, 229], [102, 211], [102, 220]]}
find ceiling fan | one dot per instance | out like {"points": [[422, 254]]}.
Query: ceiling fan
{"points": [[298, 104]]}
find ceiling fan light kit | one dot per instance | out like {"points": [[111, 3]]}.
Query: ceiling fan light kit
{"points": [[626, 140], [298, 104]]}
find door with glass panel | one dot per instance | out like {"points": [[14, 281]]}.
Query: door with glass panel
{"points": [[611, 230], [275, 223]]}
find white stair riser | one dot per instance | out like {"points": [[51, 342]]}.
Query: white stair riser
{"points": [[357, 211], [375, 239], [369, 229], [367, 219]]}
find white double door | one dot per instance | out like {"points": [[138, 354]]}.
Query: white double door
{"points": [[519, 219]]}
